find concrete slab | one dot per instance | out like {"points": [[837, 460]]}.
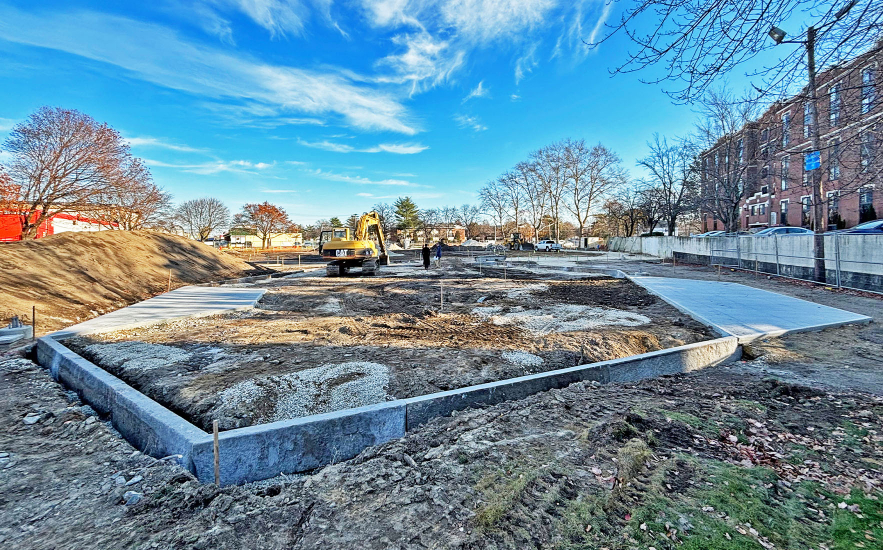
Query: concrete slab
{"points": [[746, 312], [184, 302]]}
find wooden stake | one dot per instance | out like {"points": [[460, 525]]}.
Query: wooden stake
{"points": [[441, 294], [217, 454], [33, 322]]}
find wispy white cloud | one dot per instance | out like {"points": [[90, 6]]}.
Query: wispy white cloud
{"points": [[359, 180], [214, 166], [472, 122], [154, 142], [514, 97], [364, 195], [278, 191], [397, 148], [156, 54], [602, 19], [478, 91], [526, 63]]}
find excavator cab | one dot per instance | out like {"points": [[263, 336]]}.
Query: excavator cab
{"points": [[336, 234]]}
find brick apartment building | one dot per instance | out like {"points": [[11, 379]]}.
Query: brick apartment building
{"points": [[763, 163]]}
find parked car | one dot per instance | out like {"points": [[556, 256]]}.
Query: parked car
{"points": [[780, 231], [874, 227], [709, 234], [548, 245]]}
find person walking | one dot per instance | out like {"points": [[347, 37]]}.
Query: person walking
{"points": [[438, 254], [425, 252]]}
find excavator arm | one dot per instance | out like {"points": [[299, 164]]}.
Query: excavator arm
{"points": [[372, 219]]}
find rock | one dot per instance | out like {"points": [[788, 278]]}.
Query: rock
{"points": [[90, 420], [119, 480], [134, 480], [132, 497], [31, 418]]}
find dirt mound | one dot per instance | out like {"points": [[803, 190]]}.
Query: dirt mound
{"points": [[75, 276]]}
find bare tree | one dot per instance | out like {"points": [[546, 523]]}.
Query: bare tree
{"points": [[131, 199], [725, 161], [493, 201], [201, 217], [468, 216], [514, 193], [548, 166], [387, 217], [674, 177], [650, 204], [624, 211], [697, 42], [533, 179], [590, 173], [61, 160], [428, 220]]}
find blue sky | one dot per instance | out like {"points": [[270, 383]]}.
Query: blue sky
{"points": [[326, 107]]}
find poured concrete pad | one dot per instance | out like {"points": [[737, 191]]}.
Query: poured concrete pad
{"points": [[188, 301], [744, 311]]}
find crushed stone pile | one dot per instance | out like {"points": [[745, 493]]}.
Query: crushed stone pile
{"points": [[136, 356], [560, 317], [328, 388]]}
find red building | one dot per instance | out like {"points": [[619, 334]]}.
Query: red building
{"points": [[762, 165], [10, 226]]}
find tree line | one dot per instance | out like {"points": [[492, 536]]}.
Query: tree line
{"points": [[65, 161]]}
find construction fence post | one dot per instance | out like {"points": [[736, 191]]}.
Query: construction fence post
{"points": [[837, 258], [776, 245]]}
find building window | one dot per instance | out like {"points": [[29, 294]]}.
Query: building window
{"points": [[834, 221], [765, 153], [783, 212], [762, 209], [834, 160], [765, 190], [867, 148], [786, 129], [739, 149], [869, 91], [805, 203], [765, 135], [834, 104], [765, 171], [753, 209], [806, 176], [786, 167], [866, 210], [807, 119]]}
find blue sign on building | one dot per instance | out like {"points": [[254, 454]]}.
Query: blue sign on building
{"points": [[812, 161]]}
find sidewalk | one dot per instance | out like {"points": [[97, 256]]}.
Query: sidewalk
{"points": [[188, 301], [746, 312]]}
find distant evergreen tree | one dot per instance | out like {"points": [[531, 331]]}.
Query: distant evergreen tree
{"points": [[407, 214], [335, 222]]}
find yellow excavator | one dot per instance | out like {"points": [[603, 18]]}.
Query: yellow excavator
{"points": [[346, 251]]}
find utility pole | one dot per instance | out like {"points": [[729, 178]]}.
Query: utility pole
{"points": [[816, 144], [778, 36]]}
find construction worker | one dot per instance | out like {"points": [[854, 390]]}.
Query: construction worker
{"points": [[438, 254], [425, 253]]}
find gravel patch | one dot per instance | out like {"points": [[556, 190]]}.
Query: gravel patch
{"points": [[561, 318], [312, 391], [332, 307], [526, 290], [523, 359], [136, 356]]}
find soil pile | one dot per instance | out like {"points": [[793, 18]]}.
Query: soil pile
{"points": [[72, 277]]}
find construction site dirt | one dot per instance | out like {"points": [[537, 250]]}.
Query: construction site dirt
{"points": [[318, 344]]}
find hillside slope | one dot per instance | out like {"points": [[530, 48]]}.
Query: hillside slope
{"points": [[75, 276]]}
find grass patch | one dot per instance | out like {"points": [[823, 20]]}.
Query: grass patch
{"points": [[502, 490]]}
